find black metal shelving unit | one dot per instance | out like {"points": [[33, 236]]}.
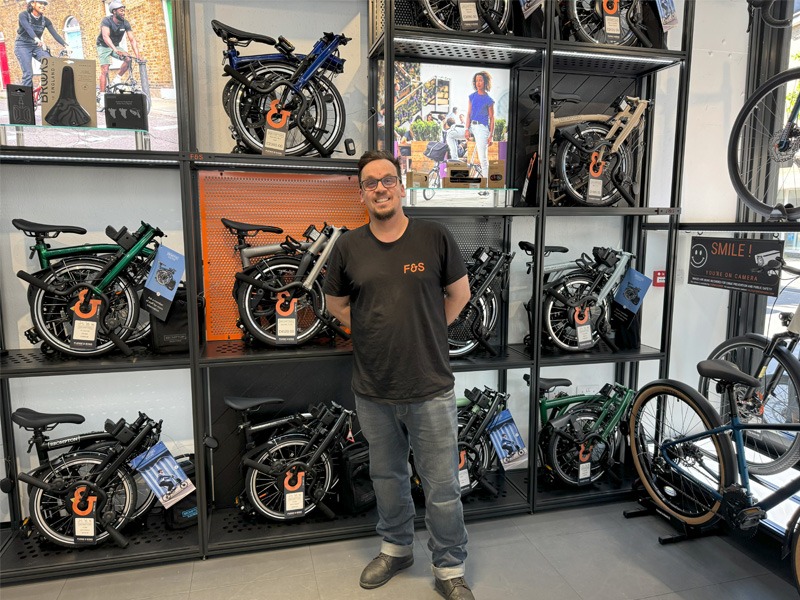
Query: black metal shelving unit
{"points": [[221, 529]]}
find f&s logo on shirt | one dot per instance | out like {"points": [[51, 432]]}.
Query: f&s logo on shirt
{"points": [[414, 267]]}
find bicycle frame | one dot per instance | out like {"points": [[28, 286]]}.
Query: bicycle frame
{"points": [[613, 279]]}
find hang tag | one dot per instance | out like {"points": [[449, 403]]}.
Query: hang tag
{"points": [[584, 333], [285, 320], [611, 21], [463, 471], [584, 472], [276, 127], [470, 20], [84, 528], [594, 186], [83, 517], [294, 494], [85, 323]]}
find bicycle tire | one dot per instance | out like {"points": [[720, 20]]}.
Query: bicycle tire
{"points": [[572, 166], [668, 409], [586, 17], [796, 558], [266, 493], [434, 182], [444, 14], [325, 116], [766, 452], [51, 513], [460, 338], [563, 454], [758, 168], [558, 326], [145, 498], [257, 308], [52, 315]]}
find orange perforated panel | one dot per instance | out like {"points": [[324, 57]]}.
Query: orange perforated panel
{"points": [[289, 201]]}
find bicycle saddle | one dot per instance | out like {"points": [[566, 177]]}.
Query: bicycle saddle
{"points": [[229, 34], [30, 228], [30, 419], [529, 248], [249, 403], [725, 371], [235, 226], [546, 384]]}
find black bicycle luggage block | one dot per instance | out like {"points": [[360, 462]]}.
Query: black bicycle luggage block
{"points": [[126, 111]]}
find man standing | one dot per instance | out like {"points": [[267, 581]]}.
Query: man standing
{"points": [[397, 283], [112, 29]]}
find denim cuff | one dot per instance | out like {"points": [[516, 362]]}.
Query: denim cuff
{"points": [[448, 572], [396, 551]]}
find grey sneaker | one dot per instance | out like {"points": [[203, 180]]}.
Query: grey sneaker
{"points": [[382, 568], [454, 589]]}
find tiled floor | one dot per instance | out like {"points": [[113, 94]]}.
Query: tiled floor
{"points": [[589, 553]]}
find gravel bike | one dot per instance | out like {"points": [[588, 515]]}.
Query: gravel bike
{"points": [[89, 278], [264, 85], [288, 281], [476, 323], [693, 467], [87, 497], [593, 156], [774, 363]]}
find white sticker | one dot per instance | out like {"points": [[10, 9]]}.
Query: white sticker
{"points": [[584, 333], [613, 26], [275, 139], [84, 527], [469, 14], [84, 330], [463, 478], [584, 471], [595, 189], [295, 501], [287, 327]]}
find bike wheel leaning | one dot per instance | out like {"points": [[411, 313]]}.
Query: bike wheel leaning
{"points": [[257, 307], [52, 315], [52, 513], [460, 336], [665, 411], [559, 319], [266, 492], [445, 14], [764, 146], [572, 165], [776, 401], [586, 17], [324, 118]]}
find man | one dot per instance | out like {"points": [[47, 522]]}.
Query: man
{"points": [[112, 29], [397, 283], [168, 482], [29, 43]]}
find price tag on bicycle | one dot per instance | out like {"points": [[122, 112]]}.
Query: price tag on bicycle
{"points": [[468, 10], [463, 471], [276, 123], [583, 327], [594, 186], [85, 320], [285, 320], [82, 506], [294, 492], [611, 21], [584, 464]]}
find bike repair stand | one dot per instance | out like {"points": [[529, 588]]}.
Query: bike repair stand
{"points": [[684, 531]]}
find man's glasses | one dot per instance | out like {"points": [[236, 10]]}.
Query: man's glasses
{"points": [[388, 182]]}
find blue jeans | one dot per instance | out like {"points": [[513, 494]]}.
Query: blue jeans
{"points": [[25, 54], [431, 428]]}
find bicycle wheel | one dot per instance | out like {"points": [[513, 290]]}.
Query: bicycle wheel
{"points": [[52, 513], [324, 117], [776, 401], [434, 182], [479, 456], [266, 492], [587, 20], [145, 498], [665, 411], [52, 315], [564, 454], [444, 14], [764, 146], [460, 336], [257, 307], [796, 558], [572, 165], [559, 319]]}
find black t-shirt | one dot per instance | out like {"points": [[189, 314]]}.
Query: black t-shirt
{"points": [[397, 315], [116, 30]]}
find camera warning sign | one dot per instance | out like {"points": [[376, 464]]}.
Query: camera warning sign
{"points": [[741, 265]]}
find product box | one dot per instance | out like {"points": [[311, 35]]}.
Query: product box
{"points": [[20, 105], [126, 111], [458, 176], [68, 92], [416, 179], [497, 173]]}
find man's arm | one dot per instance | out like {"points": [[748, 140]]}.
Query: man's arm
{"points": [[456, 296], [339, 307], [134, 45], [105, 31]]}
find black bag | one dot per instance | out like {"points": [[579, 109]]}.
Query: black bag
{"points": [[172, 335], [183, 513], [355, 487], [436, 151]]}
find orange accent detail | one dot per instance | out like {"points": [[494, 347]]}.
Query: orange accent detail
{"points": [[95, 305], [282, 296], [610, 7], [581, 315], [596, 167], [291, 488], [76, 500], [282, 114], [462, 459], [585, 457], [286, 200]]}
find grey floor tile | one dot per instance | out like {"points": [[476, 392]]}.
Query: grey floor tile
{"points": [[222, 571], [293, 587], [132, 584], [763, 587], [345, 555], [494, 532], [415, 582], [44, 590], [573, 520]]}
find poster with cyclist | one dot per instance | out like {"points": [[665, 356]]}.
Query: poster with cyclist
{"points": [[507, 440], [163, 475]]}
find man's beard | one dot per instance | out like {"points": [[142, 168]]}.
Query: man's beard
{"points": [[385, 216]]}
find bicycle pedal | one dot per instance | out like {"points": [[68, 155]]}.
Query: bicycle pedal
{"points": [[750, 517], [32, 336]]}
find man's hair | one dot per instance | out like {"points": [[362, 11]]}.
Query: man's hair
{"points": [[371, 155]]}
